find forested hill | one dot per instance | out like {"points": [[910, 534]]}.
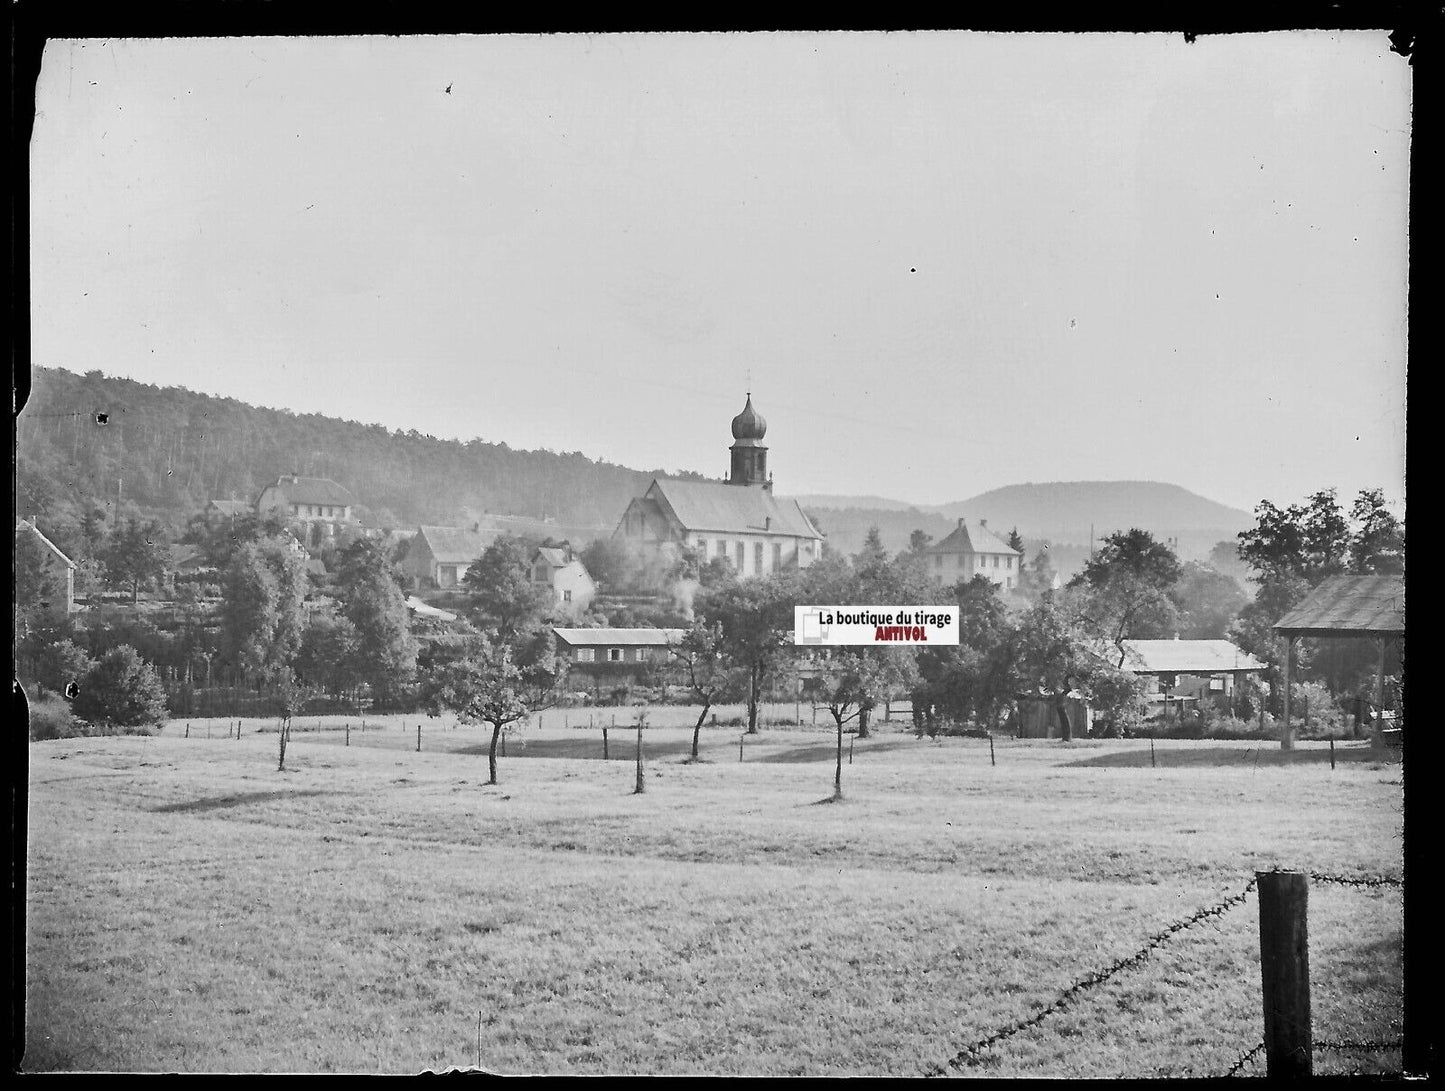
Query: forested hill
{"points": [[167, 451]]}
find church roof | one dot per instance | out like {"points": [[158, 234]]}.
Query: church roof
{"points": [[732, 509], [979, 539]]}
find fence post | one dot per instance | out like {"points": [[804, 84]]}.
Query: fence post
{"points": [[850, 748], [348, 732], [1284, 961], [604, 742], [990, 749], [641, 784], [188, 731], [418, 738], [740, 747], [1332, 753], [1152, 763]]}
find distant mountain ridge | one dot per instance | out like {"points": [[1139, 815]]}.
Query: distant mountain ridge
{"points": [[1064, 513]]}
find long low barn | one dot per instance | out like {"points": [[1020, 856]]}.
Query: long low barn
{"points": [[588, 647]]}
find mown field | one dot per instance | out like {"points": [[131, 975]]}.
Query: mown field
{"points": [[378, 909]]}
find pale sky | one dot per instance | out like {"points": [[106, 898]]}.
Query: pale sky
{"points": [[942, 262]]}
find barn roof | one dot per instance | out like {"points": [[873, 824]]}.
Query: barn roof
{"points": [[732, 509], [55, 549], [1349, 605], [1186, 657], [594, 638], [454, 545]]}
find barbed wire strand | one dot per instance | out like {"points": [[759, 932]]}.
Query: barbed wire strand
{"points": [[1349, 880], [1244, 1059], [1092, 979]]}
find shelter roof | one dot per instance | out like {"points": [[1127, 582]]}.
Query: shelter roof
{"points": [[1349, 606], [1187, 657], [55, 549]]}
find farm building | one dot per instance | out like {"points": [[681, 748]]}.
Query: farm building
{"points": [[604, 660], [440, 556], [1342, 607], [1190, 672], [319, 504], [59, 572]]}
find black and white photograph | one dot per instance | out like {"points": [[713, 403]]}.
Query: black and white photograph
{"points": [[756, 553]]}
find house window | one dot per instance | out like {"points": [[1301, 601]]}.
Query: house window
{"points": [[722, 549], [758, 558], [640, 654], [566, 596], [742, 551], [938, 560], [1008, 582], [777, 555], [1008, 562], [995, 562], [586, 655], [447, 575], [614, 655], [959, 559]]}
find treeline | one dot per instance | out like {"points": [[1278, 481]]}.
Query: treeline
{"points": [[91, 440]]}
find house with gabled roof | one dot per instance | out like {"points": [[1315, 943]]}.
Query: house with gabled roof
{"points": [[318, 504], [59, 569], [565, 577], [440, 556], [970, 551], [738, 520]]}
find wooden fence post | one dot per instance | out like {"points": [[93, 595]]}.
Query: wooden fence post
{"points": [[1284, 961], [1332, 753], [641, 784], [418, 738], [740, 747], [990, 749], [1152, 763], [604, 742], [850, 748], [348, 732]]}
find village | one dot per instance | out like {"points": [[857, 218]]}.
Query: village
{"points": [[616, 610]]}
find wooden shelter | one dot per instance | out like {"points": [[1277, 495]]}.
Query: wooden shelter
{"points": [[1346, 606]]}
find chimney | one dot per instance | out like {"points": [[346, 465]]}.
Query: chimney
{"points": [[960, 523], [983, 523], [767, 522]]}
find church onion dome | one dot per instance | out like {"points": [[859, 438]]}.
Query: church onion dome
{"points": [[749, 424]]}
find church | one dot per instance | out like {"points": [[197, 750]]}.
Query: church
{"points": [[738, 519]]}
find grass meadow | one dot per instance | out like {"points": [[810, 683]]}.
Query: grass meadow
{"points": [[377, 909]]}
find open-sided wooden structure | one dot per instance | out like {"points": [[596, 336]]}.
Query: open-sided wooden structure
{"points": [[1346, 606]]}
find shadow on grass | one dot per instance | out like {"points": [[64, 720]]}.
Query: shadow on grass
{"points": [[1265, 753], [238, 799], [622, 747]]}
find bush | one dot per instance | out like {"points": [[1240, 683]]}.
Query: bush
{"points": [[51, 718], [122, 690], [1326, 719]]}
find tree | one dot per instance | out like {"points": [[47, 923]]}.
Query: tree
{"points": [[918, 541], [1015, 540], [847, 682], [500, 582], [706, 670], [35, 582], [1208, 601], [1310, 540], [1037, 577], [1126, 588], [133, 555], [261, 613], [955, 682], [385, 651], [756, 619], [1377, 546], [327, 658], [59, 665], [122, 690], [491, 686]]}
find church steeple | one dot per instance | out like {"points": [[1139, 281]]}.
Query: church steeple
{"points": [[749, 453]]}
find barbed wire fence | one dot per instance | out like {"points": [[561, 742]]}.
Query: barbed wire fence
{"points": [[1097, 977]]}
